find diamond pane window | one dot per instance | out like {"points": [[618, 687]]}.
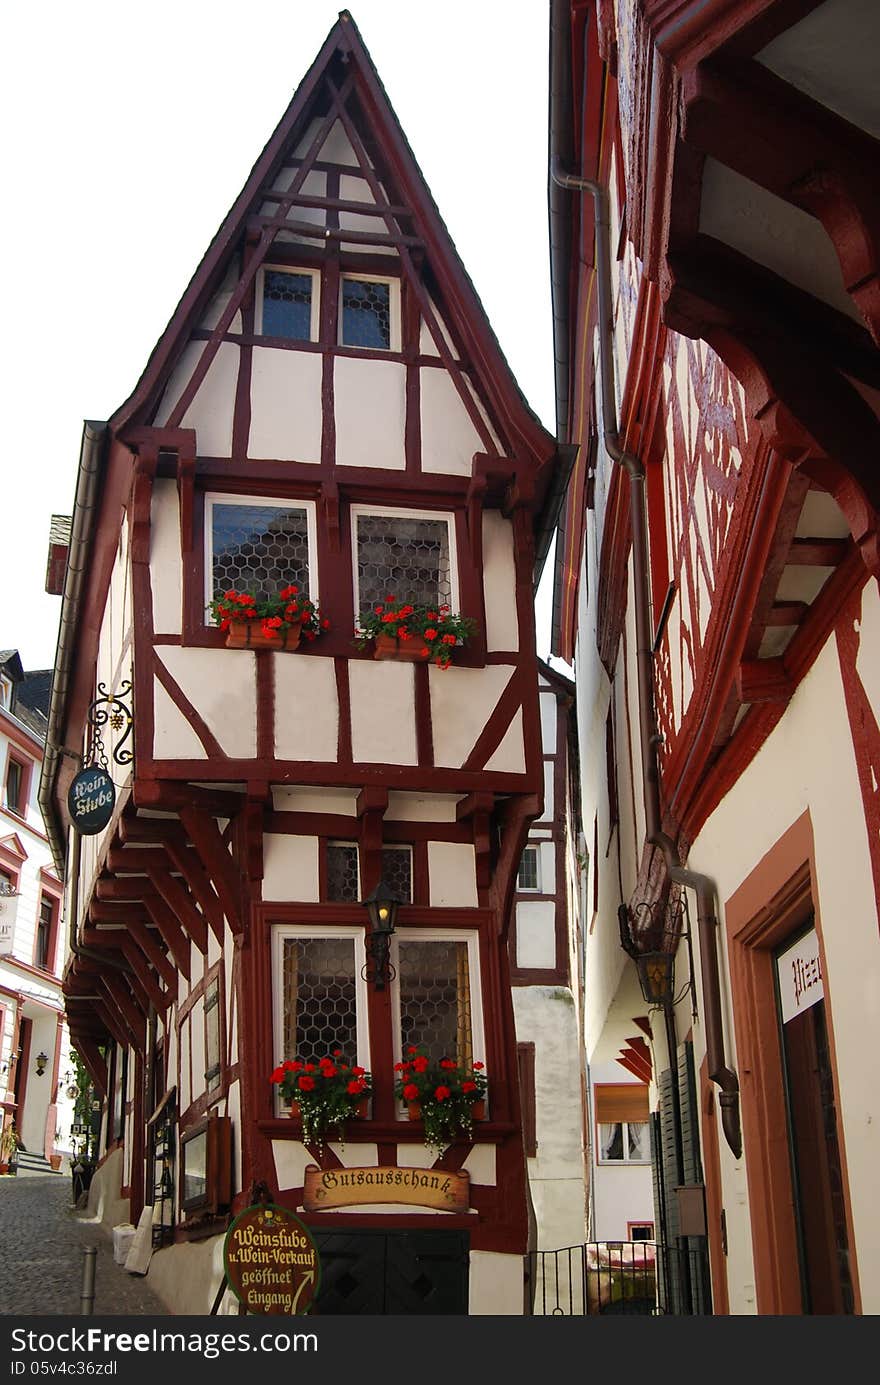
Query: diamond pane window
{"points": [[405, 556], [366, 313], [343, 878], [287, 305], [435, 998], [319, 997], [397, 871], [257, 548]]}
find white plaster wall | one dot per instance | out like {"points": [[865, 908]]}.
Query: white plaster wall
{"points": [[308, 800], [427, 345], [405, 807], [210, 412], [370, 412], [173, 736], [547, 1016], [622, 1193], [462, 700], [449, 438], [186, 1277], [290, 867], [383, 718], [452, 875], [306, 709], [221, 683], [784, 779], [166, 568], [285, 405], [535, 933], [510, 756], [496, 1284], [499, 583], [547, 709]]}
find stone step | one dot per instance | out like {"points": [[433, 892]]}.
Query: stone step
{"points": [[34, 1163]]}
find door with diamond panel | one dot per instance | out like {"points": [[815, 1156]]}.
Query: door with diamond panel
{"points": [[392, 1273]]}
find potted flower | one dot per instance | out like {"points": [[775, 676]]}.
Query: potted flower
{"points": [[9, 1143], [267, 622], [324, 1094], [446, 1096], [402, 630]]}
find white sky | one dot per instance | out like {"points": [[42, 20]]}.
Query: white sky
{"points": [[129, 130]]}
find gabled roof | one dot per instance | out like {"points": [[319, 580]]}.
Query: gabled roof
{"points": [[343, 76]]}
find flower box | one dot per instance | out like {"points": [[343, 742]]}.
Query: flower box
{"points": [[323, 1095], [247, 634], [411, 651], [445, 1095]]}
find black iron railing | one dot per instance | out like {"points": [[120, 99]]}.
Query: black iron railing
{"points": [[630, 1277]]}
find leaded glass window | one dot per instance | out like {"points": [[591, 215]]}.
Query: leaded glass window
{"points": [[404, 556], [213, 1056], [397, 871], [435, 997], [366, 313], [319, 997], [343, 878], [287, 304], [527, 879], [257, 547]]}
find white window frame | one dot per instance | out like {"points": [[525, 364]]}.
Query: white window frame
{"points": [[398, 512], [213, 498], [618, 1163], [394, 343], [281, 931], [441, 935], [536, 888], [315, 318]]}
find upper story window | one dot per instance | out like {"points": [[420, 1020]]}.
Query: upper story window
{"points": [[622, 1123], [343, 872], [287, 303], [529, 877], [213, 1036], [257, 545], [408, 556], [437, 990], [15, 789], [45, 933], [369, 314], [5, 691]]}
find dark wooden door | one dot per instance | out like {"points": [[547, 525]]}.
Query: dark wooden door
{"points": [[393, 1272]]}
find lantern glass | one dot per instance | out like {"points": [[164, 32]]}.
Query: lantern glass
{"points": [[657, 977]]}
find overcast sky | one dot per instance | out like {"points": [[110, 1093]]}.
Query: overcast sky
{"points": [[129, 130]]}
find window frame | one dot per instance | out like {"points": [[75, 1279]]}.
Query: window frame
{"points": [[281, 930], [402, 512], [54, 902], [395, 338], [355, 847], [213, 498], [214, 978], [25, 766], [534, 847], [624, 1131], [470, 936], [315, 307]]}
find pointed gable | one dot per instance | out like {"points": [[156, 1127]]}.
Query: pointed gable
{"points": [[332, 303]]}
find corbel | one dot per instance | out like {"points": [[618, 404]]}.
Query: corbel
{"points": [[477, 808], [145, 465], [372, 804], [330, 507], [476, 498], [208, 841], [186, 475], [251, 823], [519, 494]]}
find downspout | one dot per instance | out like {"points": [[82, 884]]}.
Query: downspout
{"points": [[703, 887]]}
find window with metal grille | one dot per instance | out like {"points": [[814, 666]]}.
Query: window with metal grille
{"points": [[365, 319], [258, 546], [343, 872], [44, 932], [434, 990], [213, 1053], [320, 984], [405, 556], [527, 878], [288, 303]]}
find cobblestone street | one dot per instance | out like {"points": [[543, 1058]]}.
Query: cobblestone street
{"points": [[42, 1260]]}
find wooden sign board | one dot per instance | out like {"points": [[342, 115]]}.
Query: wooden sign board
{"points": [[272, 1264], [447, 1192]]}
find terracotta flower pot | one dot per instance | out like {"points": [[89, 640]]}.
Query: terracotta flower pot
{"points": [[294, 1110], [362, 1108], [55, 1161], [411, 651], [249, 634], [414, 1110], [478, 1111]]}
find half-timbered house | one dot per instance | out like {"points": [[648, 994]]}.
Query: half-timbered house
{"points": [[328, 410], [715, 229]]}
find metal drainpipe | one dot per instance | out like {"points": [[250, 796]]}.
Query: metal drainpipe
{"points": [[703, 887]]}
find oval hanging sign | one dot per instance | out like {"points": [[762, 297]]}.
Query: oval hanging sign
{"points": [[272, 1264], [90, 800]]}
